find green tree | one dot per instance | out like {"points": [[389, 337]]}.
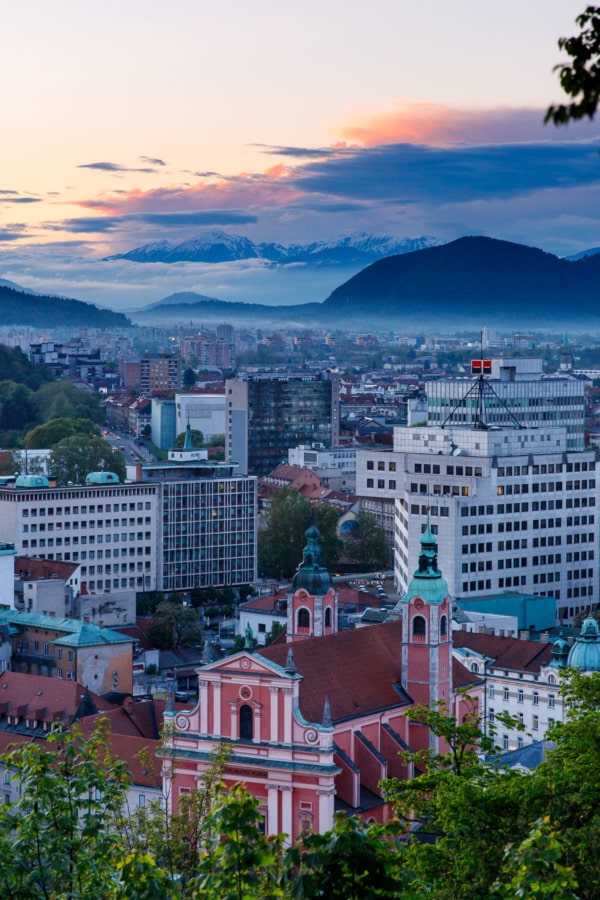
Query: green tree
{"points": [[281, 535], [367, 544], [18, 407], [46, 436], [73, 458], [580, 78], [174, 626], [197, 439], [189, 378]]}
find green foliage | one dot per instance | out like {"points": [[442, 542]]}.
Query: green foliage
{"points": [[539, 871], [353, 861], [367, 544], [275, 630], [174, 626], [46, 436], [57, 841], [75, 457], [580, 78], [62, 400], [197, 439], [281, 536], [189, 378]]}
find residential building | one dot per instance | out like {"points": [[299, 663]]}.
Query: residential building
{"points": [[109, 530], [268, 413], [335, 466], [152, 374], [69, 649]]}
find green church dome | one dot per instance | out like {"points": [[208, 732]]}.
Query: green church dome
{"points": [[585, 652], [427, 581]]}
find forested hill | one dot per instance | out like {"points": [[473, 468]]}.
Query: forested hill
{"points": [[22, 308]]}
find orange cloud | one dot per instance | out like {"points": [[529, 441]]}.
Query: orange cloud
{"points": [[437, 125]]}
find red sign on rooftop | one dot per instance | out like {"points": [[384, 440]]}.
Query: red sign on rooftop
{"points": [[481, 367]]}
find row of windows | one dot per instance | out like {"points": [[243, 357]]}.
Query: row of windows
{"points": [[83, 510], [84, 525], [521, 696], [381, 483], [381, 465], [434, 469]]}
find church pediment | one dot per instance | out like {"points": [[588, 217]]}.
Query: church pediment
{"points": [[248, 664]]}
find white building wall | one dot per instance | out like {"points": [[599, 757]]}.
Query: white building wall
{"points": [[205, 413]]}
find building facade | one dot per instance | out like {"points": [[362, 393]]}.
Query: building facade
{"points": [[266, 414], [513, 509]]}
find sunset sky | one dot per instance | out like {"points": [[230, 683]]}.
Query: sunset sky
{"points": [[126, 122]]}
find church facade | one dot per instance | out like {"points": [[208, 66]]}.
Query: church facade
{"points": [[315, 722]]}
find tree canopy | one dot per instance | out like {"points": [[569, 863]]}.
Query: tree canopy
{"points": [[580, 78], [174, 626], [367, 544], [281, 535], [73, 458]]}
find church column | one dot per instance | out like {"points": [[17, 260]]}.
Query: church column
{"points": [[287, 715], [257, 718], [274, 692], [216, 708], [286, 813], [203, 685], [326, 797], [273, 809], [233, 715]]}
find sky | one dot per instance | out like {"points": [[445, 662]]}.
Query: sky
{"points": [[129, 122]]}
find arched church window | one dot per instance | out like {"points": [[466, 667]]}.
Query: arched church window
{"points": [[419, 626], [443, 625], [246, 723], [303, 618], [474, 667], [328, 617]]}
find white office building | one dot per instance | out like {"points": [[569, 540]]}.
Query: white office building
{"points": [[203, 412], [514, 509], [517, 393]]}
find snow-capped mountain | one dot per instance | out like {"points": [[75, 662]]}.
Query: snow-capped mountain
{"points": [[218, 247]]}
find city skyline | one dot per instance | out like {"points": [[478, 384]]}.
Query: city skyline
{"points": [[129, 125]]}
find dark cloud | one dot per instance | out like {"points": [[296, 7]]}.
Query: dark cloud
{"points": [[114, 168], [449, 174], [20, 199], [6, 236], [8, 192], [153, 161], [106, 224], [297, 152]]}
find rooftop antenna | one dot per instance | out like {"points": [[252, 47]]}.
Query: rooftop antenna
{"points": [[481, 388]]}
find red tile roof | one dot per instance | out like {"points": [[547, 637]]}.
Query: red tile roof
{"points": [[507, 653], [53, 698], [358, 671], [28, 568]]}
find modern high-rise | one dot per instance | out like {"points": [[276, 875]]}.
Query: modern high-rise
{"points": [[268, 413], [207, 523], [517, 393], [513, 509]]}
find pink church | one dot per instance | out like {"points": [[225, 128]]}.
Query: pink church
{"points": [[314, 724]]}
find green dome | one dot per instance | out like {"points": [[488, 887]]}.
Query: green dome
{"points": [[427, 582], [311, 573], [560, 654], [585, 652]]}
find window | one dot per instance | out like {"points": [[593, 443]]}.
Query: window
{"points": [[491, 692], [328, 617], [303, 618], [506, 694], [536, 698], [520, 695], [418, 626], [246, 723], [443, 626], [551, 701]]}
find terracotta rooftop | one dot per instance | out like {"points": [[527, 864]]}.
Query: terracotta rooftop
{"points": [[46, 699], [507, 653], [28, 568], [358, 671]]}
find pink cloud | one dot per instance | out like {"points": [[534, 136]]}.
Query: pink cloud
{"points": [[437, 125]]}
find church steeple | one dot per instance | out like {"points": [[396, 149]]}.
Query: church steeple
{"points": [[426, 633], [313, 606]]}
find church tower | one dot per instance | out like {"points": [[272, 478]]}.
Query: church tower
{"points": [[313, 605], [427, 631]]}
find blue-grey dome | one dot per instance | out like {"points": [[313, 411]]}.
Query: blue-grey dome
{"points": [[585, 652], [560, 654], [311, 573]]}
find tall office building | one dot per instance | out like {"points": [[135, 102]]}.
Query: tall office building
{"points": [[513, 510], [509, 489], [267, 414], [518, 393], [207, 522]]}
